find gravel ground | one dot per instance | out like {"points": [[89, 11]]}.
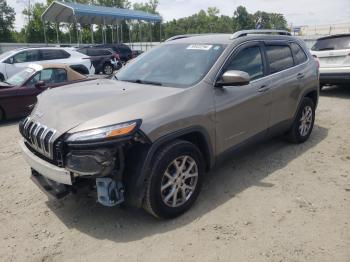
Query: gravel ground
{"points": [[274, 202]]}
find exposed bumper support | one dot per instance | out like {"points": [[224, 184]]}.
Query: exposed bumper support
{"points": [[46, 169]]}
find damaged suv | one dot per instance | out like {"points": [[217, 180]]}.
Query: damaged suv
{"points": [[146, 137]]}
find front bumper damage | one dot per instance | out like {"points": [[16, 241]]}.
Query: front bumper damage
{"points": [[100, 167]]}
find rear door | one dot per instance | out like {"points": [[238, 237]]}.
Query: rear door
{"points": [[242, 111], [285, 84]]}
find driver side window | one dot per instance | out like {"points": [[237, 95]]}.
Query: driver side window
{"points": [[248, 60]]}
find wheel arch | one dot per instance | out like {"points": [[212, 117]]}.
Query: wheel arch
{"points": [[196, 135]]}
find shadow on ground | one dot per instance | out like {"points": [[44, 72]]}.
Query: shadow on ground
{"points": [[342, 91], [9, 122], [239, 172]]}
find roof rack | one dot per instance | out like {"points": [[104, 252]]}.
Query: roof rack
{"points": [[260, 31], [180, 37]]}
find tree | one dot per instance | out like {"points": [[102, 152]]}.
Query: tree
{"points": [[242, 19], [7, 19]]}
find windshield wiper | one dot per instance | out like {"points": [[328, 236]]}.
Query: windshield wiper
{"points": [[144, 82]]}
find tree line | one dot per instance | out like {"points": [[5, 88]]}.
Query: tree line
{"points": [[205, 21]]}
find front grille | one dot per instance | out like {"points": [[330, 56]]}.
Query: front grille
{"points": [[38, 136]]}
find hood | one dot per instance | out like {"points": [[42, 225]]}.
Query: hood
{"points": [[4, 85], [98, 103]]}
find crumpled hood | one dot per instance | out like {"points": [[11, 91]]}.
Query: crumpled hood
{"points": [[98, 103]]}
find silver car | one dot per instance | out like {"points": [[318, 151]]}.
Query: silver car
{"points": [[147, 137]]}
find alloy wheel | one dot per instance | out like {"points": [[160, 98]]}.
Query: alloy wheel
{"points": [[306, 121], [179, 181]]}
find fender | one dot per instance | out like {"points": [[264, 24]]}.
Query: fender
{"points": [[137, 188]]}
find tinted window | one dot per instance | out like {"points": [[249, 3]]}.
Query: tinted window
{"points": [[26, 56], [47, 54], [333, 43], [299, 54], [250, 61], [50, 76], [279, 57]]}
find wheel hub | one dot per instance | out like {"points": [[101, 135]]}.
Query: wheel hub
{"points": [[179, 181]]}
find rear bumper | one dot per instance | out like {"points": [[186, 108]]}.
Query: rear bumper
{"points": [[50, 171], [334, 78]]}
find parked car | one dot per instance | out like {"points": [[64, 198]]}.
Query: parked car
{"points": [[105, 60], [19, 91], [122, 50], [147, 137], [136, 53], [14, 61], [333, 54]]}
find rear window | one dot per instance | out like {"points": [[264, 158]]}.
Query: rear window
{"points": [[279, 57], [333, 43], [299, 54]]}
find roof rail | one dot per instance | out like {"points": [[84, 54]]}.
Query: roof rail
{"points": [[175, 37], [259, 31]]}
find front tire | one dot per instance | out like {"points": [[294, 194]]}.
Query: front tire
{"points": [[303, 123], [175, 180]]}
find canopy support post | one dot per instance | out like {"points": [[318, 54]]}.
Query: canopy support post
{"points": [[160, 31], [43, 22], [92, 33], [70, 36], [76, 27], [112, 32], [57, 33], [140, 36], [150, 25], [121, 32], [129, 27]]}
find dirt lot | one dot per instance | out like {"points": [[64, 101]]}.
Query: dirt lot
{"points": [[274, 202]]}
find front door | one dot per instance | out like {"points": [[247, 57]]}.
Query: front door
{"points": [[243, 111]]}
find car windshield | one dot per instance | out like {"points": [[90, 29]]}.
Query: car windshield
{"points": [[6, 54], [20, 77], [332, 43], [175, 65]]}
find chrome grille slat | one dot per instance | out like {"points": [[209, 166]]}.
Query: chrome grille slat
{"points": [[39, 137]]}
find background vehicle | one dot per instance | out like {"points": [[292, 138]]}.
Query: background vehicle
{"points": [[333, 53], [147, 137], [14, 61], [19, 91], [105, 60], [136, 53], [122, 50]]}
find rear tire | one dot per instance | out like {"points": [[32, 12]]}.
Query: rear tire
{"points": [[107, 69], [175, 180], [2, 78], [303, 123], [2, 115]]}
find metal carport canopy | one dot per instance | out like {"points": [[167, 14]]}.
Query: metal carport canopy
{"points": [[92, 14]]}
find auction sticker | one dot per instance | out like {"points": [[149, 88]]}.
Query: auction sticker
{"points": [[199, 47]]}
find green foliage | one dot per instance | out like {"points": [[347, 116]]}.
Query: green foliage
{"points": [[202, 22], [7, 19]]}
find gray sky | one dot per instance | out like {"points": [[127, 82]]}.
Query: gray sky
{"points": [[297, 12]]}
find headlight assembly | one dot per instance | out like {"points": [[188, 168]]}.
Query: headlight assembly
{"points": [[112, 131]]}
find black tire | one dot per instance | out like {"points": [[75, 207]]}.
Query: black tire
{"points": [[107, 69], [2, 115], [2, 78], [153, 201], [295, 134]]}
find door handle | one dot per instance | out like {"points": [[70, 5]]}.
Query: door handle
{"points": [[263, 88], [300, 76]]}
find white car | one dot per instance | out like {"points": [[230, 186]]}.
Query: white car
{"points": [[14, 61], [333, 53]]}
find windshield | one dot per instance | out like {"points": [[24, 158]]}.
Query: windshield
{"points": [[6, 54], [20, 77], [176, 65], [332, 43]]}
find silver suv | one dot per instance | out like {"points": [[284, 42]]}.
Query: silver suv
{"points": [[147, 137]]}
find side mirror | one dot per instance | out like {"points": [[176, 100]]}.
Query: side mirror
{"points": [[40, 85], [233, 78], [9, 60]]}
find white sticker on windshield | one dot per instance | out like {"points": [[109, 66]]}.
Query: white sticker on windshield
{"points": [[199, 47]]}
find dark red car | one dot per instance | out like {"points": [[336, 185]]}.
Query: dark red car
{"points": [[19, 92]]}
